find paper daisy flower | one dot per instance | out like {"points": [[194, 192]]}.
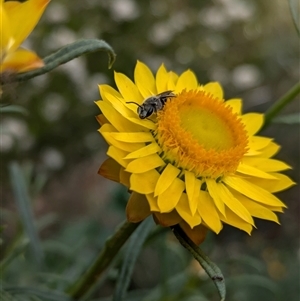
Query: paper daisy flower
{"points": [[18, 19], [196, 162]]}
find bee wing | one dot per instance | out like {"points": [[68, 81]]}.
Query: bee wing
{"points": [[168, 93]]}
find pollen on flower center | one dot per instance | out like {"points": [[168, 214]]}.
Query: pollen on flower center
{"points": [[201, 133]]}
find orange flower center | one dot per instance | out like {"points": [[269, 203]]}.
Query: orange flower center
{"points": [[200, 133]]}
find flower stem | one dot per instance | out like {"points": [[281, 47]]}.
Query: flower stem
{"points": [[210, 268], [280, 104], [105, 257]]}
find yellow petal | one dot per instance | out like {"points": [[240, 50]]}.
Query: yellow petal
{"points": [[192, 187], [167, 219], [168, 200], [116, 119], [117, 101], [197, 234], [152, 200], [107, 127], [133, 137], [144, 164], [105, 90], [144, 182], [146, 123], [166, 178], [252, 191], [215, 89], [110, 169], [271, 165], [184, 211], [253, 122], [172, 80], [208, 212], [270, 150], [235, 104], [282, 182], [212, 190], [128, 147], [21, 60], [252, 171], [7, 40], [144, 80], [235, 221], [127, 88], [137, 208], [149, 149], [161, 79], [117, 155], [267, 165], [187, 80], [274, 209], [258, 143], [256, 209], [233, 204], [23, 17]]}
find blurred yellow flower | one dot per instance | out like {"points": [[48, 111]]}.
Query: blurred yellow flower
{"points": [[197, 162], [18, 19]]}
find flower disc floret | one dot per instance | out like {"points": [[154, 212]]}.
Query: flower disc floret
{"points": [[201, 134]]}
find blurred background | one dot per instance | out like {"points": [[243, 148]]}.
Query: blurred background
{"points": [[251, 47]]}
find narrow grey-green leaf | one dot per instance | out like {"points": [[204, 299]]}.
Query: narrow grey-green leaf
{"points": [[247, 261], [43, 294], [13, 109], [131, 254], [22, 198], [210, 268], [243, 281], [13, 254], [68, 53], [293, 118], [112, 246], [173, 286], [5, 296], [295, 11]]}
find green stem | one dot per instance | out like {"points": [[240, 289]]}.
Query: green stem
{"points": [[105, 257], [210, 268], [280, 104]]}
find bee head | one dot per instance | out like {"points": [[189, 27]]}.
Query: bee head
{"points": [[145, 111]]}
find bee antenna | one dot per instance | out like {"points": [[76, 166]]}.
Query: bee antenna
{"points": [[134, 103]]}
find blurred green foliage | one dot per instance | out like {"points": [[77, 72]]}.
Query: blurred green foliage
{"points": [[251, 47]]}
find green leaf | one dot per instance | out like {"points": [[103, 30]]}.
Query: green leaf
{"points": [[13, 109], [42, 294], [293, 118], [68, 53], [243, 281], [173, 286], [23, 202], [247, 261], [112, 246], [20, 248], [295, 11], [5, 296], [131, 254]]}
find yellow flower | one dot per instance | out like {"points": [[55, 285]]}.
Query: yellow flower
{"points": [[197, 162], [17, 21]]}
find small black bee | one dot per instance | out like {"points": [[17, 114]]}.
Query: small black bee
{"points": [[153, 104]]}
